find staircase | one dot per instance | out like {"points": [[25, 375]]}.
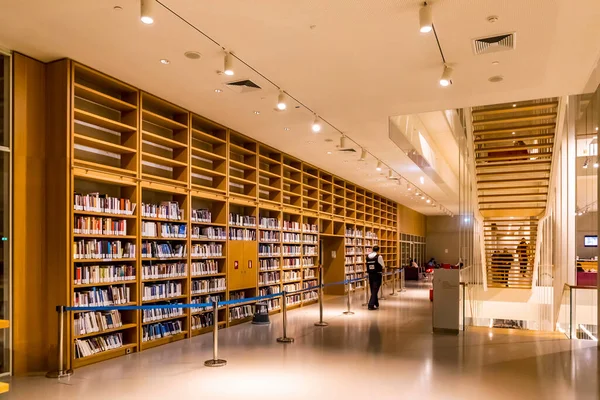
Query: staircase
{"points": [[513, 156]]}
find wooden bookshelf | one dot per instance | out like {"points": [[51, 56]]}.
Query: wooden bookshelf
{"points": [[128, 144]]}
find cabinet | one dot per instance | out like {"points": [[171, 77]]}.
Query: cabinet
{"points": [[242, 265]]}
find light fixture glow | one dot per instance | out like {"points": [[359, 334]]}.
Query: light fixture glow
{"points": [[390, 174], [408, 187], [378, 168], [342, 142], [514, 105], [513, 133], [316, 126], [425, 19], [281, 101], [257, 112], [165, 61], [422, 197], [446, 79], [218, 91], [147, 11], [422, 180], [428, 201], [328, 152], [286, 129], [363, 155], [228, 65], [596, 164]]}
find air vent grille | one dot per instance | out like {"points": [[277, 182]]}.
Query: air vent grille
{"points": [[493, 44], [243, 86]]}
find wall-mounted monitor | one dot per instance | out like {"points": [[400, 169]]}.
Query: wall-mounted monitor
{"points": [[590, 241]]}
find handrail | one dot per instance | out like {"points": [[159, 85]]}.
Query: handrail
{"points": [[580, 287]]}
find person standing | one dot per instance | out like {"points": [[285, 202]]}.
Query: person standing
{"points": [[375, 266]]}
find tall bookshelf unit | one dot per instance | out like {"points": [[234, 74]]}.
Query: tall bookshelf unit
{"points": [[164, 206]]}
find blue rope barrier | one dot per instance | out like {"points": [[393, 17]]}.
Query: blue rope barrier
{"points": [[249, 299]]}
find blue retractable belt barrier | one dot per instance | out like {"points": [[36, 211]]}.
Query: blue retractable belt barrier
{"points": [[230, 302]]}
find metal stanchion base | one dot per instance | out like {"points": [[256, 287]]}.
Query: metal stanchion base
{"points": [[285, 340], [215, 363], [382, 298], [321, 323], [393, 294], [59, 374], [348, 313]]}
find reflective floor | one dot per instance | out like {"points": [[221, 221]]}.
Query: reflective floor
{"points": [[385, 354]]}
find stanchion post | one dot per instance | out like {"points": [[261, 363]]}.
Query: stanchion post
{"points": [[284, 338], [382, 285], [321, 322], [60, 371], [367, 287], [402, 281], [394, 294], [215, 362], [349, 310]]}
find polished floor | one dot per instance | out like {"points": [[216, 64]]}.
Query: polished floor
{"points": [[385, 354]]}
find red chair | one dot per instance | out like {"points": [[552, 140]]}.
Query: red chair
{"points": [[446, 266]]}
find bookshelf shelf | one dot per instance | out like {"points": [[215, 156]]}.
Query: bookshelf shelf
{"points": [[133, 146], [105, 332]]}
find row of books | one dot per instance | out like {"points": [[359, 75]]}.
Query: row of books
{"points": [[202, 321], [273, 250], [291, 287], [370, 243], [161, 330], [210, 232], [96, 202], [370, 235], [291, 226], [270, 236], [293, 299], [242, 220], [353, 232], [163, 290], [265, 291], [292, 250], [102, 249], [163, 250], [91, 322], [268, 264], [291, 275], [273, 304], [207, 250], [308, 262], [201, 215], [208, 267], [308, 273], [163, 270], [309, 296], [353, 242], [237, 295], [314, 228], [240, 312], [156, 314], [291, 237], [98, 344], [85, 225], [166, 210], [90, 274], [269, 223], [204, 300], [242, 234], [164, 230], [291, 263], [269, 277], [108, 296], [310, 239], [208, 285], [309, 251], [310, 284]]}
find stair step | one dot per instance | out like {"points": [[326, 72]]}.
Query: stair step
{"points": [[543, 156], [532, 171], [511, 138], [513, 148], [521, 128], [512, 194], [511, 110], [514, 164], [507, 120]]}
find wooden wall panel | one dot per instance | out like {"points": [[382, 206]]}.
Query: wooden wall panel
{"points": [[30, 322], [411, 222]]}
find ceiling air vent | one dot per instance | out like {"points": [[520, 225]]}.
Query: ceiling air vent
{"points": [[493, 44], [243, 86]]}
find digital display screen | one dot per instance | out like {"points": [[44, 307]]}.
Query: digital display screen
{"points": [[590, 241]]}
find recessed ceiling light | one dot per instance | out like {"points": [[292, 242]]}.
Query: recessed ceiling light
{"points": [[310, 142], [118, 8], [492, 19], [514, 105], [496, 78], [164, 61], [286, 129], [328, 152], [495, 62], [192, 55], [257, 112], [218, 91]]}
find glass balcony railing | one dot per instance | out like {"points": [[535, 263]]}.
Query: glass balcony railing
{"points": [[578, 316]]}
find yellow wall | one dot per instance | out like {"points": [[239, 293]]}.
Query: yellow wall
{"points": [[411, 222]]}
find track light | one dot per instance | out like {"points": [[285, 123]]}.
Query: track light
{"points": [[342, 142], [378, 166], [446, 79], [585, 163], [428, 201], [417, 193], [316, 126], [228, 65], [425, 19], [363, 155], [408, 187], [281, 101], [390, 174], [422, 197], [147, 11]]}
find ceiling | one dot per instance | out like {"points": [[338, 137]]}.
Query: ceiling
{"points": [[354, 63]]}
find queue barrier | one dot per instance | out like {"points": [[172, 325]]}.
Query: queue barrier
{"points": [[61, 372]]}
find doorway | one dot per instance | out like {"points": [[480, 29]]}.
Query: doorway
{"points": [[332, 259]]}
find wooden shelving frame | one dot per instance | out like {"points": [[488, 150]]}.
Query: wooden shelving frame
{"points": [[129, 144]]}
